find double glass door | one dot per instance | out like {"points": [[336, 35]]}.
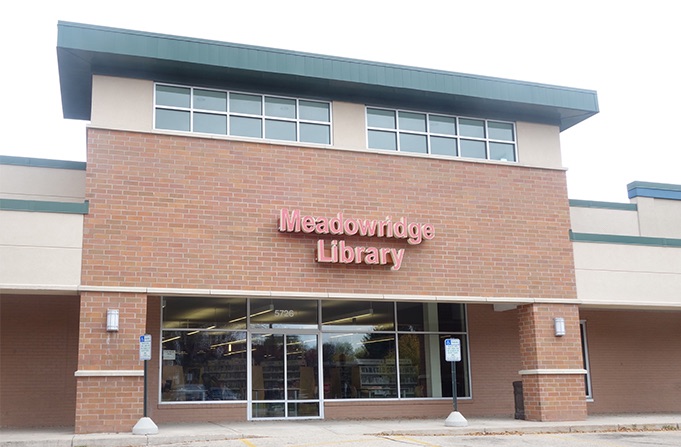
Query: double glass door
{"points": [[285, 375]]}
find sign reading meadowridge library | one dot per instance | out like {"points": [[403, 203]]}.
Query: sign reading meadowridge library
{"points": [[338, 252]]}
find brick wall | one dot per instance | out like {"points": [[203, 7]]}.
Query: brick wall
{"points": [[635, 361], [106, 404], [38, 357], [551, 397], [168, 211]]}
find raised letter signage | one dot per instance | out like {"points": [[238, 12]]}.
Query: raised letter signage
{"points": [[337, 251]]}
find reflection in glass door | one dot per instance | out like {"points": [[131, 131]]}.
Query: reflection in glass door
{"points": [[284, 376]]}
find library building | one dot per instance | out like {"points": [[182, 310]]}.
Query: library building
{"points": [[260, 233]]}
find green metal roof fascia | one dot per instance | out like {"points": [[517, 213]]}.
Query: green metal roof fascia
{"points": [[42, 163], [38, 206], [625, 240], [104, 42], [603, 205]]}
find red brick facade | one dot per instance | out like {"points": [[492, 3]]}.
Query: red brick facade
{"points": [[38, 358], [109, 403], [169, 211], [548, 395], [194, 213]]}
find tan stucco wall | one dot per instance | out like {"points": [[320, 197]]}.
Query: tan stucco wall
{"points": [[538, 145], [628, 275], [604, 221], [659, 217], [122, 103], [127, 104], [44, 248], [46, 184], [349, 125]]}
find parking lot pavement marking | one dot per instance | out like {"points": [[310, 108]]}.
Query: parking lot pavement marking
{"points": [[411, 440], [247, 442]]}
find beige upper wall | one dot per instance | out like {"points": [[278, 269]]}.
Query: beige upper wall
{"points": [[127, 104], [44, 184], [122, 103], [628, 275], [604, 221], [538, 145], [40, 250], [659, 217]]}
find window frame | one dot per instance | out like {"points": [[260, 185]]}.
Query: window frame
{"points": [[243, 325], [228, 114], [430, 134], [585, 359]]}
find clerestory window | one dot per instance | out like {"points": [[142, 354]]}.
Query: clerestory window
{"points": [[221, 112], [436, 134]]}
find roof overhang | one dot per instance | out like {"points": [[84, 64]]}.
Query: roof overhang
{"points": [[84, 50]]}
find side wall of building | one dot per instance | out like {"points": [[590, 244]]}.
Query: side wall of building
{"points": [[634, 360], [38, 359]]}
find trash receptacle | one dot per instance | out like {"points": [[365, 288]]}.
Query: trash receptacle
{"points": [[518, 397]]}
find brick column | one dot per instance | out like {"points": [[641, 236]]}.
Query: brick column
{"points": [[110, 381], [553, 375]]}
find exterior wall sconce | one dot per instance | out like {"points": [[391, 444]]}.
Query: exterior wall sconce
{"points": [[559, 326], [112, 320]]}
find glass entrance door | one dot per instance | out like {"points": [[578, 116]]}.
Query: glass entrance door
{"points": [[285, 375]]}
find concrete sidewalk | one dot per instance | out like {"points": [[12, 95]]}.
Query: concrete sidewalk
{"points": [[183, 433]]}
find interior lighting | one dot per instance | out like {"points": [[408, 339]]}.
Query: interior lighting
{"points": [[256, 312], [351, 316]]}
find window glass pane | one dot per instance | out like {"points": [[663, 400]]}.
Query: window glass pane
{"points": [[359, 365], [451, 317], [172, 119], [314, 111], [413, 143], [410, 317], [381, 118], [501, 151], [172, 96], [284, 313], [210, 100], [382, 140], [203, 365], [245, 127], [443, 146], [442, 124], [500, 131], [412, 121], [429, 317], [420, 368], [209, 123], [267, 369], [315, 133], [471, 128], [280, 130], [249, 104], [280, 107], [197, 313], [360, 315], [473, 149]]}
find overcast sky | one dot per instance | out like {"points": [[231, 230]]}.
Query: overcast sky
{"points": [[627, 51]]}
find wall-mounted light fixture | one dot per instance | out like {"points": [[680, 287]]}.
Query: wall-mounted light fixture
{"points": [[559, 326], [112, 320]]}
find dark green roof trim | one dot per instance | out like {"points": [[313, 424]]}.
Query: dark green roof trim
{"points": [[84, 50], [625, 240], [38, 206], [603, 205], [42, 163], [654, 190]]}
